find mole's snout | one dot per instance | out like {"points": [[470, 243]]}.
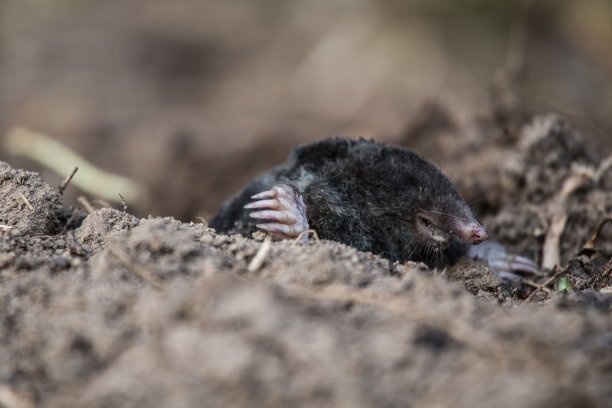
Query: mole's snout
{"points": [[471, 231], [477, 234]]}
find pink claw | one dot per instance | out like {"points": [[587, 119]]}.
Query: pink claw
{"points": [[265, 194], [262, 204], [502, 263], [285, 207], [275, 227], [280, 216], [520, 263]]}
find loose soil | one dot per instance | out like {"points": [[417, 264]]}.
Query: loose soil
{"points": [[105, 309]]}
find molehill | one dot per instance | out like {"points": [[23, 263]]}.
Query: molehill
{"points": [[101, 308]]}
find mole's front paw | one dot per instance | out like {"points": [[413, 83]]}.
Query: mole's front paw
{"points": [[504, 264], [285, 208]]}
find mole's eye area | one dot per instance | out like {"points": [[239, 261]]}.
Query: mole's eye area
{"points": [[424, 221], [429, 228]]}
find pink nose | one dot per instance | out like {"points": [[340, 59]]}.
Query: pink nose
{"points": [[477, 234]]}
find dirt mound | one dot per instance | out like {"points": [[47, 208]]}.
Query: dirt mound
{"points": [[120, 311], [29, 205]]}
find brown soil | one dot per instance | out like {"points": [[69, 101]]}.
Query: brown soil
{"points": [[105, 309]]}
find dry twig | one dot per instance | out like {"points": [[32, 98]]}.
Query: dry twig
{"points": [[531, 283], [64, 183], [260, 256], [123, 203], [591, 242], [67, 224], [558, 273]]}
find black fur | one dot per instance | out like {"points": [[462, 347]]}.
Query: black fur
{"points": [[364, 194]]}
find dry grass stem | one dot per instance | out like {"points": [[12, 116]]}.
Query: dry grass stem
{"points": [[64, 183], [50, 153], [301, 235]]}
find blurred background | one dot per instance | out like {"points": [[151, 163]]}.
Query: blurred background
{"points": [[190, 99]]}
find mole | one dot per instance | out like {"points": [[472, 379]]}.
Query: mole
{"points": [[372, 196]]}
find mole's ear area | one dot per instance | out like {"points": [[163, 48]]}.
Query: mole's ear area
{"points": [[284, 209]]}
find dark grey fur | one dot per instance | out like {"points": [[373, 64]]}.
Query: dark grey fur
{"points": [[364, 194]]}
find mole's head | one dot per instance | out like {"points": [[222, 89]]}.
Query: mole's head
{"points": [[444, 222], [434, 213]]}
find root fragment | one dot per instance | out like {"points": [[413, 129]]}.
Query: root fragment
{"points": [[260, 257], [26, 201]]}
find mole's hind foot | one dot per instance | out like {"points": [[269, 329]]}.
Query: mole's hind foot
{"points": [[504, 264], [285, 208]]}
